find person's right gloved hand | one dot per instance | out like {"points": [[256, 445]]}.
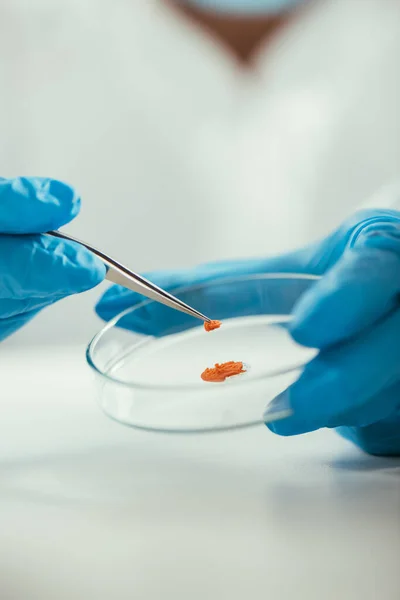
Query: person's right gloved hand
{"points": [[37, 270], [352, 315]]}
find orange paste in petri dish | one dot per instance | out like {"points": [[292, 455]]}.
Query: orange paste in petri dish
{"points": [[221, 372], [211, 325]]}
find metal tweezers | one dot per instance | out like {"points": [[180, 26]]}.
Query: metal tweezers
{"points": [[117, 273]]}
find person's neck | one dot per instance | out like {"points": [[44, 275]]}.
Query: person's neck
{"points": [[242, 35]]}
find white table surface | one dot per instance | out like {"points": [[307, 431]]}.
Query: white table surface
{"points": [[90, 509]]}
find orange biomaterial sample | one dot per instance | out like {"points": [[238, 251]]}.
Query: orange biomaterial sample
{"points": [[211, 325], [221, 372]]}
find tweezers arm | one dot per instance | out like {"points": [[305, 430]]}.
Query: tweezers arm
{"points": [[117, 273], [116, 276]]}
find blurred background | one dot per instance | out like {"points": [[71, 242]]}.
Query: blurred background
{"points": [[192, 138]]}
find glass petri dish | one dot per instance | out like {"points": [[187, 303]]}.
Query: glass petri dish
{"points": [[148, 360]]}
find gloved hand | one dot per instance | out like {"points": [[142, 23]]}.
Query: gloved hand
{"points": [[352, 315], [37, 270]]}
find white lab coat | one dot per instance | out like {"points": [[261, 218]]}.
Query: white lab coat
{"points": [[181, 158]]}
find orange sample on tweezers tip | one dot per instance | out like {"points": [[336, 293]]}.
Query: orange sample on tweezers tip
{"points": [[221, 372], [211, 325]]}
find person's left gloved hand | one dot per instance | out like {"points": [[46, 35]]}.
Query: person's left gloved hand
{"points": [[352, 314]]}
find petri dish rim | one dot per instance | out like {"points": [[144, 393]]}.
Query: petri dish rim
{"points": [[183, 289], [197, 431]]}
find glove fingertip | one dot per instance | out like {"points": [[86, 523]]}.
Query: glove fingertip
{"points": [[113, 301], [93, 273], [104, 311], [98, 274], [302, 335], [314, 322], [290, 427], [277, 429], [280, 416], [61, 200], [66, 198], [33, 205], [83, 270]]}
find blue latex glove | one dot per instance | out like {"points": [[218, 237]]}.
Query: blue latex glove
{"points": [[352, 315], [245, 7], [37, 270]]}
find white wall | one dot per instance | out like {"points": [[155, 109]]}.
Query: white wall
{"points": [[169, 144]]}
